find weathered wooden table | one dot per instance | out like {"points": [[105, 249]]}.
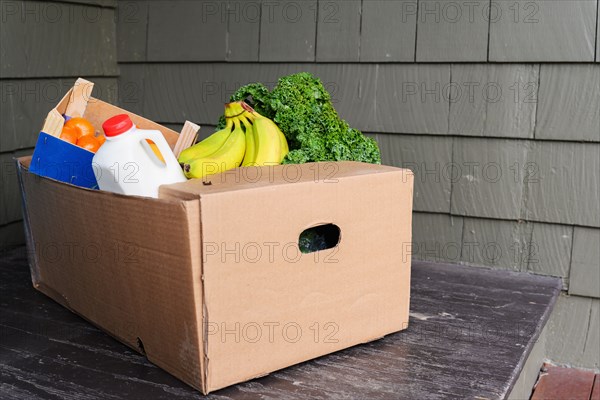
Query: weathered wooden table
{"points": [[470, 332]]}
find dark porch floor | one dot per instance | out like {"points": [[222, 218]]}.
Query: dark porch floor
{"points": [[471, 330]]}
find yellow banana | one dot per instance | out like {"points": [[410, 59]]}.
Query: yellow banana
{"points": [[284, 149], [250, 145], [233, 109], [267, 140], [227, 157], [207, 146]]}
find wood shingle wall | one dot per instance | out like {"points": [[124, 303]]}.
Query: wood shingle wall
{"points": [[44, 47]]}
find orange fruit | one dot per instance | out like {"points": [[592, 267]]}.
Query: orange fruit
{"points": [[89, 142], [69, 134], [101, 138], [83, 126]]}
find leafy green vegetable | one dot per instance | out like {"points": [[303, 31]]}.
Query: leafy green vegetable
{"points": [[302, 109], [311, 241]]}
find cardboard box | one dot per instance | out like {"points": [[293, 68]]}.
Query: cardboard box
{"points": [[208, 281], [181, 278]]}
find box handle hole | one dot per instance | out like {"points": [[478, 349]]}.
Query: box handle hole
{"points": [[320, 237]]}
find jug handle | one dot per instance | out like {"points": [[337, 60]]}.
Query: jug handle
{"points": [[163, 147]]}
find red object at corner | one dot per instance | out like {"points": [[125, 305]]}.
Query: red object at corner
{"points": [[116, 125]]}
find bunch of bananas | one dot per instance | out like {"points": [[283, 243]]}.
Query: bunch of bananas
{"points": [[248, 139]]}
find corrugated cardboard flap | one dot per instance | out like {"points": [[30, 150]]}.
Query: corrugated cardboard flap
{"points": [[272, 176], [128, 264]]}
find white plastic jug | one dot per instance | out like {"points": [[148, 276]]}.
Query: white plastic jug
{"points": [[126, 163]]}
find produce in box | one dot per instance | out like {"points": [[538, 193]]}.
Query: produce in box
{"points": [[294, 123], [79, 131], [248, 139], [302, 109]]}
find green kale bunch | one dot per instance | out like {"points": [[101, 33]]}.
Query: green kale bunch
{"points": [[302, 109]]}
